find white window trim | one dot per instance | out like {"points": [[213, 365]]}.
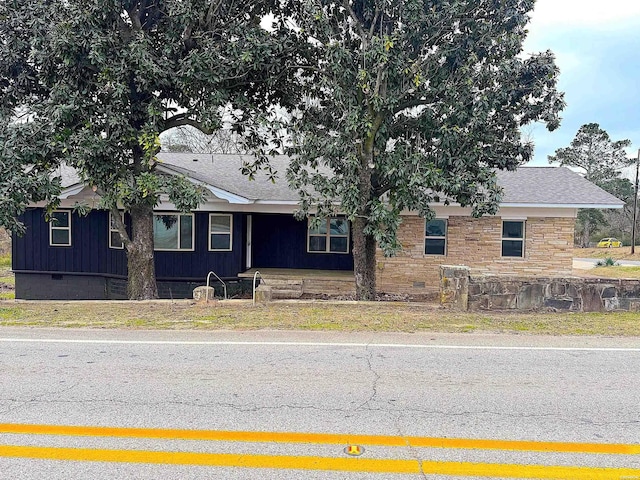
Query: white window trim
{"points": [[230, 232], [328, 236], [112, 230], [193, 229], [53, 227], [502, 239], [434, 237]]}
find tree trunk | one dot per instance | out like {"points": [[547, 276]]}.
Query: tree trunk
{"points": [[586, 233], [364, 261], [364, 246], [142, 276]]}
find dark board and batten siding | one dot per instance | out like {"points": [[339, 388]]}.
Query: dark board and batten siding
{"points": [[280, 241], [87, 268], [201, 261], [89, 251]]}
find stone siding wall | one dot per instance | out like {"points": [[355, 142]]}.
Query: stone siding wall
{"points": [[476, 243]]}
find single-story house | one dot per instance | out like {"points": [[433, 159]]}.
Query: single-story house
{"points": [[246, 225]]}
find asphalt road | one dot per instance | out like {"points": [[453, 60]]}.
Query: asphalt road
{"points": [[405, 388]]}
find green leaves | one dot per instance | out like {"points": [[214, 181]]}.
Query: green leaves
{"points": [[415, 100], [93, 83], [185, 195]]}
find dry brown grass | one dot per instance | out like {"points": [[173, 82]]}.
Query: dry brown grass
{"points": [[315, 316], [622, 253], [5, 242], [7, 281], [616, 272]]}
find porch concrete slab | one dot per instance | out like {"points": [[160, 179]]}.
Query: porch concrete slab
{"points": [[299, 273]]}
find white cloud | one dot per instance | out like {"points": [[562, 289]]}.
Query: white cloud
{"points": [[592, 13]]}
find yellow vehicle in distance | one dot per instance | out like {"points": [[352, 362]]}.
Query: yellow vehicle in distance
{"points": [[609, 243]]}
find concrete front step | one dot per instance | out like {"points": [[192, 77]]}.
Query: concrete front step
{"points": [[280, 282], [283, 294], [282, 288]]}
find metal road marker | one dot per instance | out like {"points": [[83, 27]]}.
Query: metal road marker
{"points": [[354, 450]]}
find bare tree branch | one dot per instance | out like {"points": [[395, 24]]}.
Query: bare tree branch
{"points": [[183, 119], [347, 6]]}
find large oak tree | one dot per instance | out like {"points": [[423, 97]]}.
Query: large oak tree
{"points": [[410, 102], [93, 83]]}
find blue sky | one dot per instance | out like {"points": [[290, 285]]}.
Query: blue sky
{"points": [[597, 47]]}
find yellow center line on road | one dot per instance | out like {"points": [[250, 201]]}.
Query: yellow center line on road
{"points": [[215, 459], [320, 463], [529, 471], [323, 438]]}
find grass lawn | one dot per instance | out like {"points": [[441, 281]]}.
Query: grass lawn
{"points": [[7, 280], [622, 253], [616, 272], [620, 271], [316, 316]]}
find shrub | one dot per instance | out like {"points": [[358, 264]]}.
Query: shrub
{"points": [[607, 262]]}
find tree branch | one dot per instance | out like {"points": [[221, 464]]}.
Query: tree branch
{"points": [[375, 20], [125, 29], [134, 16], [411, 104], [213, 9], [183, 119], [120, 226], [347, 6]]}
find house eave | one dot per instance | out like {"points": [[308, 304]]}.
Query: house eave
{"points": [[561, 205], [224, 195], [277, 202], [72, 190]]}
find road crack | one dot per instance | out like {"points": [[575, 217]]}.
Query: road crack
{"points": [[374, 382]]}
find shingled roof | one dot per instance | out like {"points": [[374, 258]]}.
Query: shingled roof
{"points": [[223, 172], [557, 187], [552, 186]]}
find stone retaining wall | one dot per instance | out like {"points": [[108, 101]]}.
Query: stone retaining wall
{"points": [[459, 290]]}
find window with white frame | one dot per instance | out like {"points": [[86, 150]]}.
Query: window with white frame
{"points": [[513, 238], [60, 228], [173, 231], [435, 241], [115, 241], [220, 232], [329, 236]]}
